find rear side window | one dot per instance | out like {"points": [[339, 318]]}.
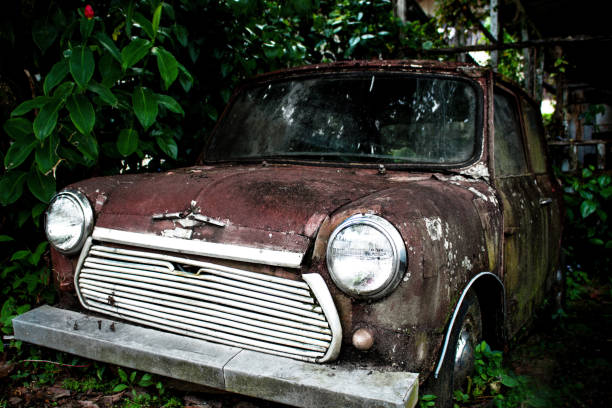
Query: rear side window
{"points": [[535, 136], [509, 153]]}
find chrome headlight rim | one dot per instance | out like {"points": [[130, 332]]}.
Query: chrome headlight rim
{"points": [[397, 244], [88, 219]]}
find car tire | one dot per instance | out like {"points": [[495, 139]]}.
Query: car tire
{"points": [[458, 363]]}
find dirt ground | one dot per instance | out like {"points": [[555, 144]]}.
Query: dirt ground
{"points": [[568, 358]]}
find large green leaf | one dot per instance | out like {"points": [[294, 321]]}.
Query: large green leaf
{"points": [[134, 52], [170, 103], [144, 24], [167, 65], [64, 90], [110, 70], [11, 186], [87, 145], [181, 34], [81, 113], [19, 150], [46, 155], [41, 186], [28, 105], [18, 128], [145, 106], [82, 65], [127, 142], [108, 44], [43, 34], [104, 93], [185, 78], [55, 76], [47, 118], [156, 19], [168, 145]]}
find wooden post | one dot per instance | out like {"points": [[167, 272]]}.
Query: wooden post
{"points": [[495, 32]]}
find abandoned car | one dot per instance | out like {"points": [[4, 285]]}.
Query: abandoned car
{"points": [[350, 232]]}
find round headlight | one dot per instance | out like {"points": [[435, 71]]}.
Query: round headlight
{"points": [[69, 220], [366, 256]]}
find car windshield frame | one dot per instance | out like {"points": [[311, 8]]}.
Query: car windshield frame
{"points": [[268, 79]]}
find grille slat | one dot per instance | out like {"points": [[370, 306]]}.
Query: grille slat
{"points": [[208, 322], [200, 299]]}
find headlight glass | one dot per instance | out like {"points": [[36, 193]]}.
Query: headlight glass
{"points": [[69, 220], [366, 256]]}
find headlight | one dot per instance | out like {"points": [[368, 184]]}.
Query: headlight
{"points": [[69, 220], [366, 256]]}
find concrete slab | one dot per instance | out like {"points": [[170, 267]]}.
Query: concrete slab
{"points": [[241, 371], [310, 385], [123, 344]]}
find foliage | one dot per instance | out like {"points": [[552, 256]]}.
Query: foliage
{"points": [[492, 381], [588, 201]]}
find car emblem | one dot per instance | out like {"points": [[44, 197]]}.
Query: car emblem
{"points": [[189, 218]]}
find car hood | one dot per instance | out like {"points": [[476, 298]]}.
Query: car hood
{"points": [[276, 206]]}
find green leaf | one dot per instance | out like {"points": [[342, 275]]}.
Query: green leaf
{"points": [[181, 34], [127, 142], [55, 76], [185, 78], [108, 44], [82, 65], [168, 145], [41, 186], [87, 145], [133, 377], [211, 112], [145, 25], [37, 210], [63, 90], [11, 186], [104, 93], [18, 128], [22, 254], [81, 112], [5, 238], [170, 103], [46, 155], [110, 70], [122, 375], [120, 387], [586, 173], [47, 118], [604, 180], [86, 27], [596, 241], [156, 19], [134, 52], [606, 192], [145, 380], [145, 106], [587, 208], [129, 15], [19, 150], [35, 256], [508, 381], [27, 106], [167, 65], [43, 34]]}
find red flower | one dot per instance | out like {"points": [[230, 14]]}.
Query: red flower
{"points": [[89, 13]]}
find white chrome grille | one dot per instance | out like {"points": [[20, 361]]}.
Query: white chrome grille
{"points": [[200, 299]]}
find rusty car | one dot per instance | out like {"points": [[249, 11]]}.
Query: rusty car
{"points": [[350, 232]]}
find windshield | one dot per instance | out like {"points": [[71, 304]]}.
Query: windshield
{"points": [[367, 117]]}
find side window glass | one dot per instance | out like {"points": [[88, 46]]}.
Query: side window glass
{"points": [[535, 137], [508, 144]]}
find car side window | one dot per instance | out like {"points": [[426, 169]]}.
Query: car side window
{"points": [[535, 137], [509, 153]]}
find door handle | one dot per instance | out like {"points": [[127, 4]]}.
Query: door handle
{"points": [[545, 201]]}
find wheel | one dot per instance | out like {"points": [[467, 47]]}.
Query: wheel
{"points": [[458, 362]]}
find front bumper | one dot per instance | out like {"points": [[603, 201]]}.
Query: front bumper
{"points": [[227, 368]]}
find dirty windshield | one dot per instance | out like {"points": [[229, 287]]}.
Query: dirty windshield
{"points": [[370, 118]]}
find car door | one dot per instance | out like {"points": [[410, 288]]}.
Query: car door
{"points": [[525, 238]]}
